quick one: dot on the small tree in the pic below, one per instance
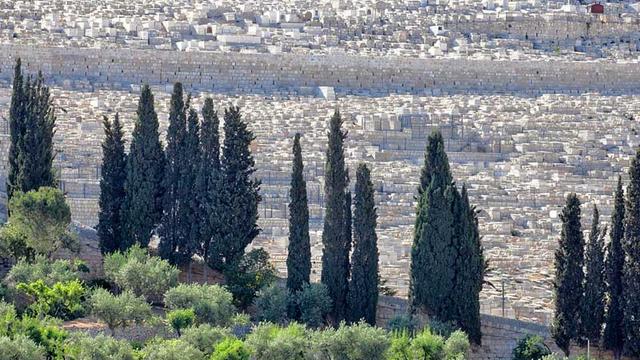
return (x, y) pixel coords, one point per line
(272, 342)
(20, 347)
(211, 304)
(271, 304)
(314, 303)
(205, 337)
(172, 349)
(231, 349)
(119, 310)
(250, 274)
(530, 347)
(180, 319)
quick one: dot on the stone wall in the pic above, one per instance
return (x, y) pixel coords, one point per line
(89, 69)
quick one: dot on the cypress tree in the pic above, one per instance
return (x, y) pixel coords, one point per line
(568, 284)
(192, 163)
(174, 230)
(112, 194)
(239, 194)
(334, 275)
(594, 284)
(363, 286)
(142, 207)
(207, 181)
(299, 249)
(631, 270)
(16, 128)
(613, 336)
(433, 252)
(470, 268)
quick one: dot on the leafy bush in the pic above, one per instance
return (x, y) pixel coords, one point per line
(100, 347)
(271, 304)
(45, 333)
(205, 337)
(252, 272)
(175, 349)
(314, 303)
(49, 271)
(140, 273)
(272, 342)
(427, 345)
(356, 342)
(181, 319)
(442, 328)
(457, 346)
(120, 310)
(402, 323)
(64, 300)
(530, 347)
(400, 347)
(8, 318)
(231, 349)
(21, 347)
(211, 303)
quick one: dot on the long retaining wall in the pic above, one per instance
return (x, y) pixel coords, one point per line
(88, 69)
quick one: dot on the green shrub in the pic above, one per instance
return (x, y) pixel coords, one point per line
(101, 347)
(355, 342)
(8, 318)
(271, 304)
(252, 273)
(400, 347)
(42, 268)
(212, 304)
(140, 273)
(175, 349)
(205, 337)
(62, 300)
(457, 346)
(20, 348)
(231, 349)
(181, 319)
(314, 303)
(427, 345)
(530, 347)
(45, 333)
(402, 323)
(272, 342)
(120, 310)
(442, 328)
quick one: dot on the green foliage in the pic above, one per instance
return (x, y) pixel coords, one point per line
(144, 275)
(442, 328)
(250, 274)
(13, 243)
(119, 310)
(402, 323)
(271, 304)
(42, 219)
(8, 318)
(20, 348)
(100, 347)
(363, 286)
(142, 206)
(212, 304)
(355, 342)
(427, 345)
(45, 333)
(272, 342)
(299, 248)
(63, 300)
(231, 349)
(631, 270)
(205, 337)
(530, 347)
(181, 319)
(42, 268)
(237, 210)
(112, 192)
(335, 256)
(175, 349)
(568, 285)
(314, 303)
(593, 302)
(457, 346)
(400, 347)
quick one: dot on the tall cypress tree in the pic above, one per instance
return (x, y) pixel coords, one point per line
(239, 193)
(613, 336)
(433, 252)
(112, 193)
(363, 286)
(208, 179)
(299, 249)
(631, 271)
(470, 268)
(334, 275)
(173, 230)
(568, 284)
(192, 166)
(16, 128)
(594, 284)
(142, 207)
